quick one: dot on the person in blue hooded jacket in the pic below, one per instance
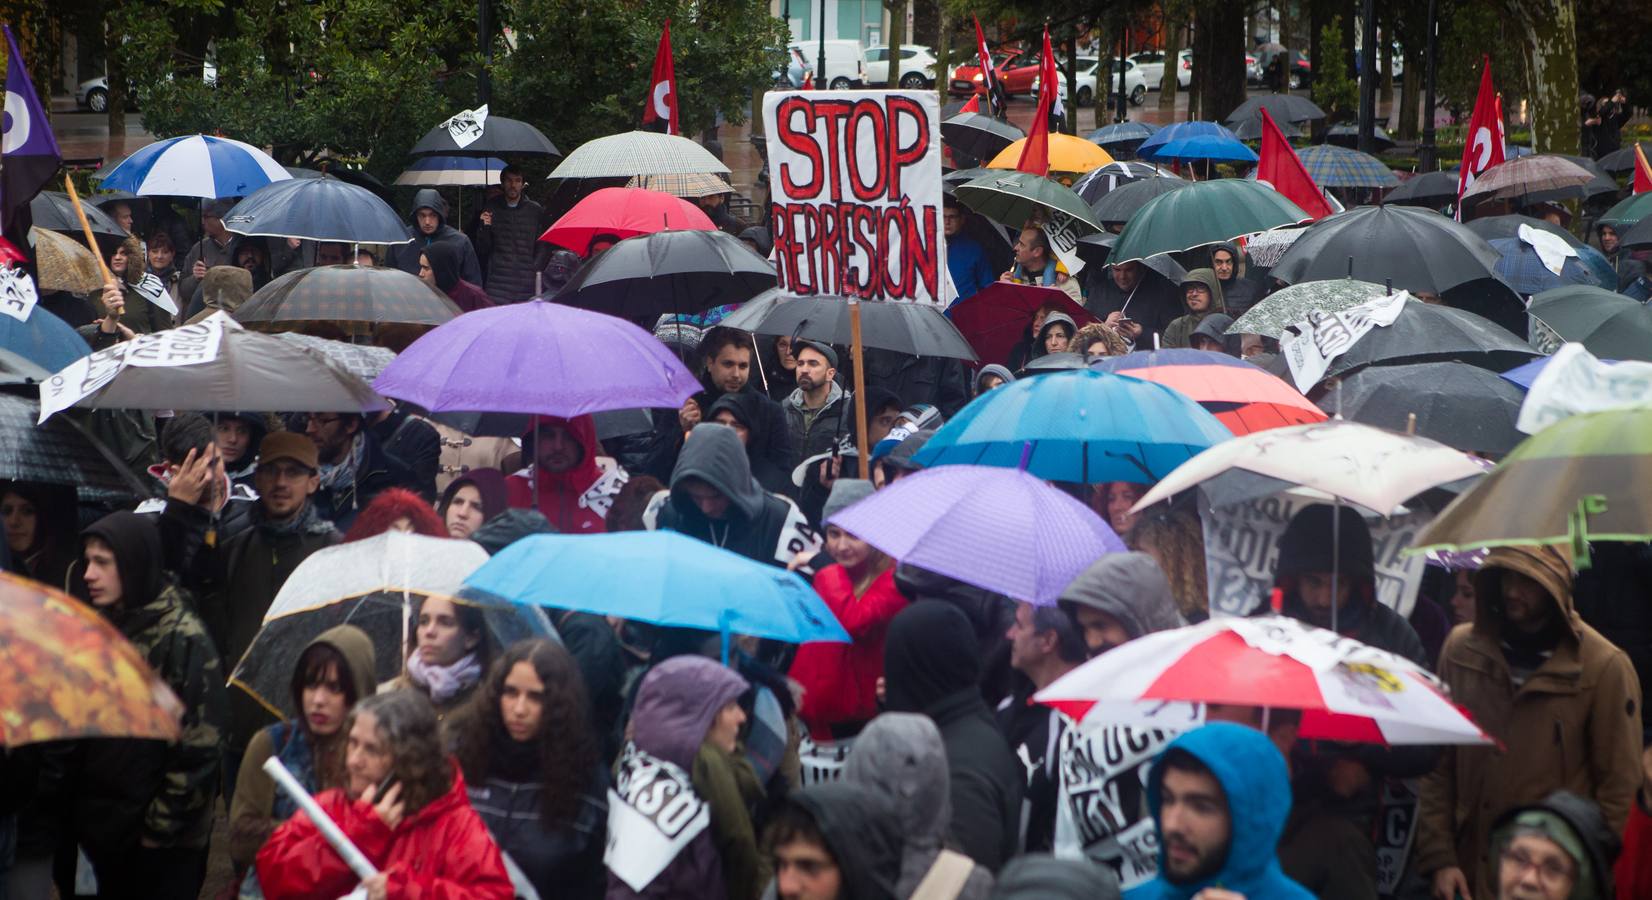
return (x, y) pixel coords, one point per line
(1220, 795)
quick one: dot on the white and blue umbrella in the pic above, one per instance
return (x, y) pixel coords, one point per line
(441, 171)
(197, 165)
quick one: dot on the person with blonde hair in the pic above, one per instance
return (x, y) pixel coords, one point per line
(1177, 542)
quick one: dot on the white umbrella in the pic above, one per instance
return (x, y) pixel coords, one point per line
(634, 153)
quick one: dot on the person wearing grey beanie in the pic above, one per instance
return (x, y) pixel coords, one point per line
(994, 371)
(846, 492)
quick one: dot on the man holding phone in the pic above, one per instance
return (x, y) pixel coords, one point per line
(1135, 302)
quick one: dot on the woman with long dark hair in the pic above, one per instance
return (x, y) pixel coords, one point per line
(450, 653)
(530, 760)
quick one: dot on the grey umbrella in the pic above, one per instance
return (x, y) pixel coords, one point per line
(680, 272)
(364, 361)
(1432, 189)
(1459, 405)
(1283, 108)
(1428, 333)
(1117, 206)
(915, 329)
(979, 135)
(1410, 248)
(317, 209)
(53, 211)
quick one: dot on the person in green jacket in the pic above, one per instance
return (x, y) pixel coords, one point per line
(1201, 297)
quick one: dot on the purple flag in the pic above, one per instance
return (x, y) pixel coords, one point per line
(29, 148)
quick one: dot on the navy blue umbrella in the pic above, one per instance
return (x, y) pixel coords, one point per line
(317, 209)
(44, 340)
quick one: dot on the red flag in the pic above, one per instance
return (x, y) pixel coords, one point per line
(1035, 154)
(1282, 168)
(1484, 147)
(660, 110)
(973, 106)
(989, 75)
(1643, 172)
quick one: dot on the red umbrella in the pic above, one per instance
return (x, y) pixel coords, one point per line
(10, 255)
(1243, 397)
(997, 316)
(623, 213)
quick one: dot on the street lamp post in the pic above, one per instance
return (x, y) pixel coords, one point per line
(1368, 78)
(1428, 154)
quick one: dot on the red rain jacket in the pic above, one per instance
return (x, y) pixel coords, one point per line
(840, 681)
(560, 493)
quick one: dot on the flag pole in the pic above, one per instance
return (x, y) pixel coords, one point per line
(85, 226)
(856, 353)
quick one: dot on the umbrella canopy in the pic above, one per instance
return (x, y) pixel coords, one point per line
(1370, 467)
(995, 318)
(1623, 159)
(979, 135)
(1194, 142)
(610, 424)
(1346, 690)
(1627, 213)
(1514, 179)
(1205, 212)
(69, 674)
(1415, 249)
(669, 272)
(211, 366)
(364, 361)
(1459, 405)
(42, 339)
(355, 298)
(1282, 107)
(500, 137)
(1426, 332)
(1610, 326)
(1580, 479)
(688, 186)
(1243, 397)
(54, 211)
(1251, 129)
(964, 176)
(371, 584)
(317, 209)
(1098, 182)
(1431, 189)
(1292, 304)
(1348, 136)
(1639, 236)
(1123, 137)
(660, 577)
(1068, 153)
(63, 263)
(915, 329)
(623, 213)
(460, 171)
(1117, 206)
(195, 165)
(1083, 426)
(59, 452)
(1600, 184)
(1508, 226)
(638, 153)
(1524, 270)
(1002, 530)
(537, 358)
(1055, 362)
(1339, 167)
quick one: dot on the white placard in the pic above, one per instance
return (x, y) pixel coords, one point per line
(1575, 382)
(1310, 346)
(599, 497)
(1061, 231)
(466, 127)
(653, 813)
(1101, 804)
(153, 289)
(186, 346)
(855, 181)
(17, 293)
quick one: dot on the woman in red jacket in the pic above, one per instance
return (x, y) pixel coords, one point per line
(404, 807)
(840, 680)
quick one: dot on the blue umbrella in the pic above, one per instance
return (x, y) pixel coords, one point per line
(659, 577)
(1082, 426)
(196, 165)
(1188, 141)
(45, 340)
(1524, 271)
(1522, 376)
(317, 209)
(1339, 167)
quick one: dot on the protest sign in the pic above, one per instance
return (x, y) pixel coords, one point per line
(17, 293)
(1241, 553)
(1309, 347)
(1101, 808)
(153, 289)
(653, 813)
(1061, 230)
(1574, 381)
(466, 126)
(189, 345)
(855, 178)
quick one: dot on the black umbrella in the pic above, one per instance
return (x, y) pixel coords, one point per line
(1403, 246)
(676, 272)
(1283, 107)
(1428, 333)
(1096, 183)
(1610, 325)
(957, 177)
(1640, 235)
(58, 451)
(500, 137)
(1459, 405)
(1431, 189)
(979, 135)
(317, 209)
(916, 329)
(1094, 249)
(1117, 206)
(1493, 227)
(1348, 136)
(54, 211)
(1121, 138)
(1623, 160)
(1251, 129)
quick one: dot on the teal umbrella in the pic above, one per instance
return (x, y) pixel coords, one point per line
(1206, 212)
(1627, 213)
(1610, 325)
(1015, 197)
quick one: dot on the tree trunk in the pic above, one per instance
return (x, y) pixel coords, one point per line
(1551, 59)
(1287, 31)
(1221, 35)
(1385, 87)
(943, 49)
(1168, 85)
(1411, 94)
(897, 37)
(115, 69)
(1069, 121)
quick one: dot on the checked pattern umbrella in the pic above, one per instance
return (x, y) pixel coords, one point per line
(688, 185)
(364, 361)
(635, 153)
(1339, 167)
(354, 298)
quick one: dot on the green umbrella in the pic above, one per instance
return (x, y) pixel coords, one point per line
(1627, 213)
(1207, 212)
(1610, 325)
(1581, 479)
(1013, 198)
(1292, 304)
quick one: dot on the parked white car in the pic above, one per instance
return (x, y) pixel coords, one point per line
(845, 62)
(917, 67)
(1134, 86)
(1151, 65)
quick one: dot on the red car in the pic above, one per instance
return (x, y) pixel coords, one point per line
(967, 79)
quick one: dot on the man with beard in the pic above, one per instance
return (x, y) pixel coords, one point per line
(814, 411)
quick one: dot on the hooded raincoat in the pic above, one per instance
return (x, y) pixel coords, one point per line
(861, 832)
(1040, 877)
(1179, 333)
(768, 457)
(1258, 792)
(406, 256)
(576, 501)
(1573, 723)
(446, 263)
(755, 521)
(1239, 293)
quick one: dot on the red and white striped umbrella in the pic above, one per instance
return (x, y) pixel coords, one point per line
(1347, 691)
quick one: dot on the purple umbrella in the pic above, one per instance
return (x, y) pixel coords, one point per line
(537, 358)
(996, 528)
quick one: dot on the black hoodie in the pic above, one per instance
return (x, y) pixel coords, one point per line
(755, 519)
(767, 465)
(406, 256)
(863, 833)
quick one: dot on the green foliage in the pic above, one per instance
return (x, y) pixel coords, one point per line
(581, 69)
(1335, 89)
(1474, 27)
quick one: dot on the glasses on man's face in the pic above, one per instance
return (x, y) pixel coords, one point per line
(1551, 872)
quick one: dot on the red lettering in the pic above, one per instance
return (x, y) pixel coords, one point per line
(833, 112)
(867, 113)
(905, 108)
(802, 143)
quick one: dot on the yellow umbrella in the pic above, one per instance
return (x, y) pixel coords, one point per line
(1067, 154)
(63, 263)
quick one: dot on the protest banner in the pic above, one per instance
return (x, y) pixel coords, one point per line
(1101, 807)
(1310, 347)
(185, 346)
(17, 293)
(1241, 553)
(653, 813)
(855, 180)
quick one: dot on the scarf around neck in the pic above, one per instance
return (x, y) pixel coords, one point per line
(444, 682)
(343, 473)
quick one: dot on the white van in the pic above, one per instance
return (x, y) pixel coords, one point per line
(845, 63)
